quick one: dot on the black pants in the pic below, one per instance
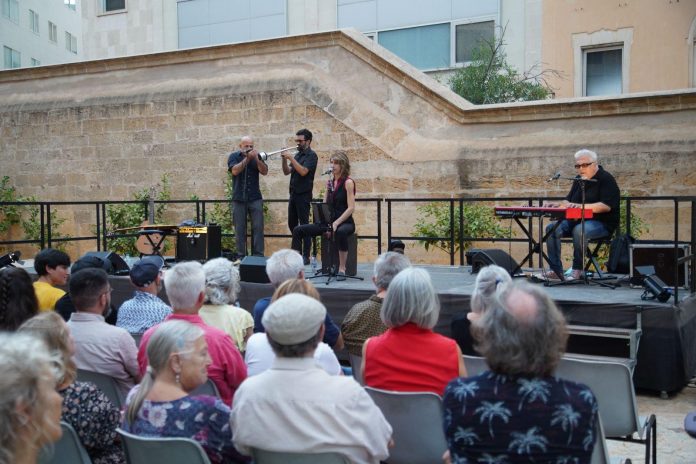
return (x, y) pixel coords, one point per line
(308, 231)
(298, 213)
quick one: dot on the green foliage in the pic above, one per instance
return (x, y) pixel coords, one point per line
(222, 215)
(28, 217)
(434, 222)
(133, 214)
(489, 78)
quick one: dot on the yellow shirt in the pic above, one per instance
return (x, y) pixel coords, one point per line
(47, 295)
(230, 319)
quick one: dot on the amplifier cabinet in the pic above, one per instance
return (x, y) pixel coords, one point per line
(661, 256)
(198, 243)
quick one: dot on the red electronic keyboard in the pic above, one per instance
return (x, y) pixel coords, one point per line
(512, 212)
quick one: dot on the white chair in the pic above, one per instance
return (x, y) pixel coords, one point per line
(417, 421)
(105, 383)
(146, 450)
(356, 366)
(475, 365)
(612, 384)
(207, 388)
(67, 449)
(279, 457)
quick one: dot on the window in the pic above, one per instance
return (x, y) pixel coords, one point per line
(13, 58)
(34, 21)
(603, 74)
(35, 62)
(426, 47)
(70, 4)
(113, 5)
(468, 36)
(10, 10)
(52, 32)
(70, 42)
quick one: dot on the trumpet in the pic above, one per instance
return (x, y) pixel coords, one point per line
(263, 156)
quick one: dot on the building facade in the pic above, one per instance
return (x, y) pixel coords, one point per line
(40, 32)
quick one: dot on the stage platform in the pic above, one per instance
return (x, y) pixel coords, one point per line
(667, 352)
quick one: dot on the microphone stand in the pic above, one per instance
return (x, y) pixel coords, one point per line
(585, 280)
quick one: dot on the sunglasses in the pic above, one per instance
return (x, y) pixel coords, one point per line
(584, 165)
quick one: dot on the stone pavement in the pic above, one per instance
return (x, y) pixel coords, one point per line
(674, 445)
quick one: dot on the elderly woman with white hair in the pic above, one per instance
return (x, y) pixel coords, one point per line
(489, 281)
(410, 356)
(162, 405)
(219, 310)
(29, 404)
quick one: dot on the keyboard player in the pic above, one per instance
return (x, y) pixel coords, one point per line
(601, 196)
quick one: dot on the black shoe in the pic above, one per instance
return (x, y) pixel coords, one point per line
(305, 259)
(341, 276)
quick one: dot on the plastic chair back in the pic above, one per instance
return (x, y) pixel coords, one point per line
(67, 449)
(147, 450)
(208, 388)
(475, 365)
(279, 457)
(105, 383)
(416, 419)
(356, 365)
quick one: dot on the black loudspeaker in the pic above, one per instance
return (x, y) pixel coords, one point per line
(198, 243)
(253, 269)
(118, 265)
(478, 258)
(661, 256)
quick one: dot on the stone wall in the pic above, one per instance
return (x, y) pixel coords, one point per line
(106, 129)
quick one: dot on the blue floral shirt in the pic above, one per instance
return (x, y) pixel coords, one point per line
(495, 418)
(141, 312)
(203, 418)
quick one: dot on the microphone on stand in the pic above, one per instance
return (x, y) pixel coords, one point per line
(328, 171)
(554, 177)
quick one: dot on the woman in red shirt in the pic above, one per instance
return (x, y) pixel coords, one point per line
(409, 356)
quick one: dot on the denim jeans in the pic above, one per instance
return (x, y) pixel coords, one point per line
(593, 229)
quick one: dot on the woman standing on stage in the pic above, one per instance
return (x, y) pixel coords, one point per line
(340, 195)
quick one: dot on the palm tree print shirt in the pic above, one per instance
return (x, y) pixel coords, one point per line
(495, 418)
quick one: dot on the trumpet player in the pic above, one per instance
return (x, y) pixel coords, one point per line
(301, 167)
(245, 166)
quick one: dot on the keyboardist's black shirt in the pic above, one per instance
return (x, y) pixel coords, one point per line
(605, 190)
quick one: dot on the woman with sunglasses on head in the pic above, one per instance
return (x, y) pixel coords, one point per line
(162, 405)
(340, 195)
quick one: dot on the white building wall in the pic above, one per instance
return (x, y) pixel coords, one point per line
(20, 37)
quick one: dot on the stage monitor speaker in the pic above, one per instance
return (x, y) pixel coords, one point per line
(198, 243)
(253, 269)
(117, 265)
(479, 258)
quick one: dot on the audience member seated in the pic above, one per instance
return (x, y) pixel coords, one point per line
(221, 290)
(489, 280)
(259, 355)
(85, 407)
(100, 347)
(185, 286)
(145, 309)
(283, 265)
(296, 406)
(409, 356)
(29, 403)
(65, 307)
(52, 267)
(17, 298)
(162, 405)
(518, 412)
(363, 320)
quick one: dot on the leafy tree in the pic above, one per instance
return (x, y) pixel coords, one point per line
(489, 78)
(434, 222)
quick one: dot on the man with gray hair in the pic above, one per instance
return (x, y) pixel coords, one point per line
(602, 197)
(363, 320)
(518, 411)
(295, 406)
(286, 264)
(185, 286)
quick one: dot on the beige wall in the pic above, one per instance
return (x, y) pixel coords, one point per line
(660, 52)
(102, 130)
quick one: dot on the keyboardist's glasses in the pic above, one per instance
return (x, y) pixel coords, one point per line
(584, 165)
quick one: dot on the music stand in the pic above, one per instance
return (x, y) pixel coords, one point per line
(585, 280)
(321, 212)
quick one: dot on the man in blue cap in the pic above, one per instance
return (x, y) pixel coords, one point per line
(145, 309)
